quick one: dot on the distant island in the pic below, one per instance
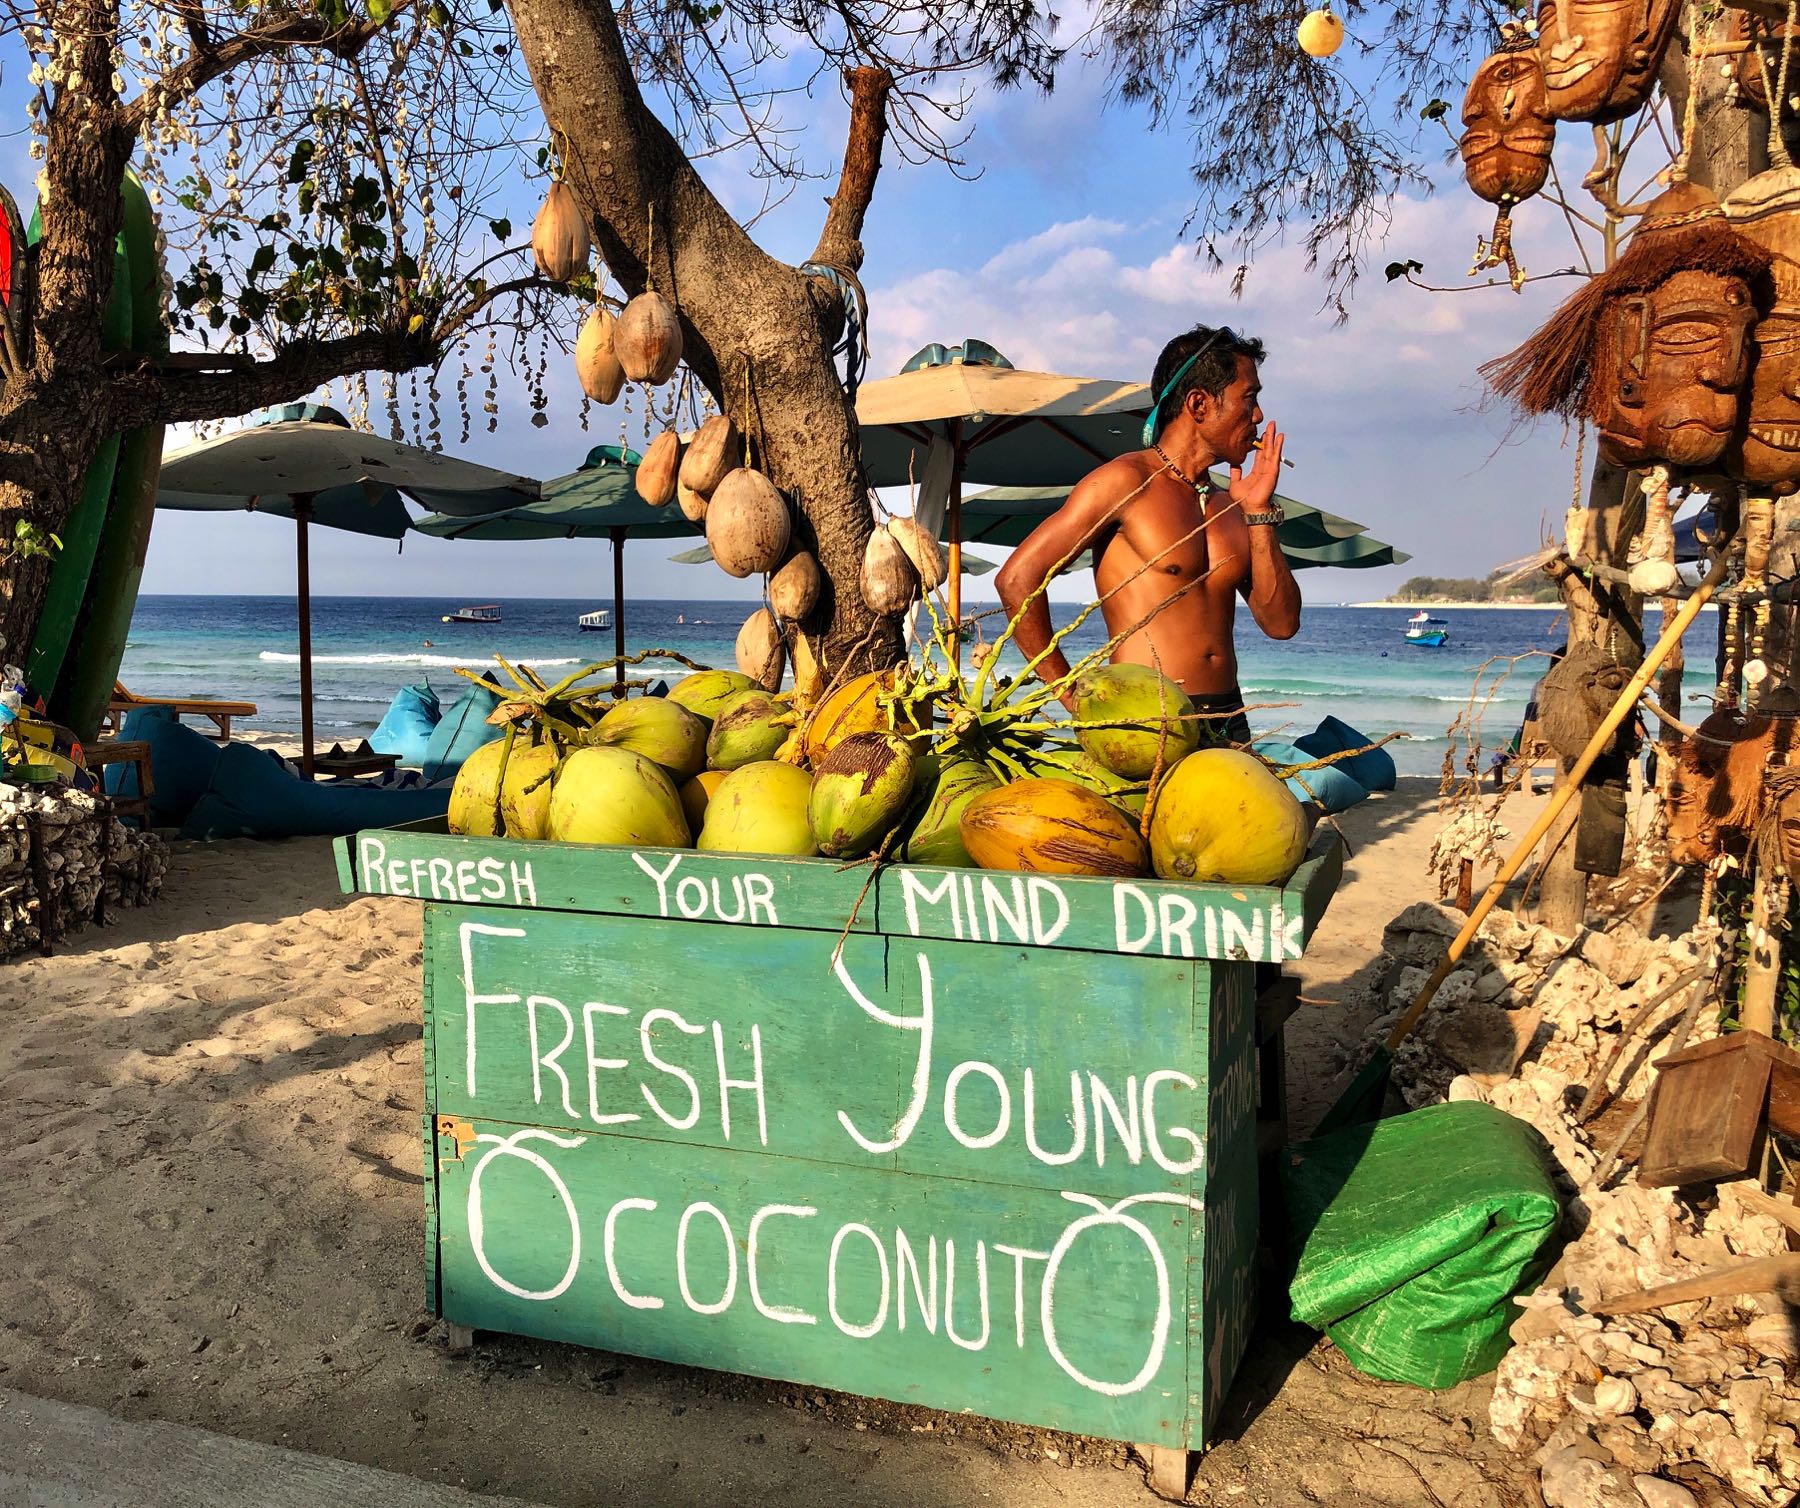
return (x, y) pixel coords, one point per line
(1469, 591)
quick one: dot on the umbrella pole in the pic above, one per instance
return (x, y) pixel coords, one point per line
(954, 599)
(618, 544)
(302, 517)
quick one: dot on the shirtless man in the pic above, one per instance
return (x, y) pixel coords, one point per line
(1205, 390)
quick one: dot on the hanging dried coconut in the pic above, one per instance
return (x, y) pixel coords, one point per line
(714, 452)
(659, 468)
(1508, 136)
(760, 653)
(648, 339)
(597, 365)
(888, 582)
(921, 549)
(560, 243)
(747, 523)
(794, 589)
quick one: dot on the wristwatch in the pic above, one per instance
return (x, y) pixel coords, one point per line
(1273, 516)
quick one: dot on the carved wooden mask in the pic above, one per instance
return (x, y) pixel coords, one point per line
(1508, 131)
(1766, 209)
(1600, 56)
(1668, 370)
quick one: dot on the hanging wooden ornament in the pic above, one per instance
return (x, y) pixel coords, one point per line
(1508, 136)
(1601, 56)
(1766, 451)
(1654, 350)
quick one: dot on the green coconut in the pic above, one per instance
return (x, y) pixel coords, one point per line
(1081, 767)
(760, 808)
(702, 692)
(660, 730)
(1144, 698)
(525, 794)
(475, 791)
(860, 791)
(606, 794)
(941, 789)
(745, 731)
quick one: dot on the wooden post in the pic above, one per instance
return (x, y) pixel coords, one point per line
(618, 544)
(1762, 971)
(953, 595)
(1169, 1470)
(302, 518)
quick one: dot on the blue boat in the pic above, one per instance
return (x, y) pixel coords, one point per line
(1427, 632)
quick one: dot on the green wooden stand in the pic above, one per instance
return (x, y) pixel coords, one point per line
(989, 1147)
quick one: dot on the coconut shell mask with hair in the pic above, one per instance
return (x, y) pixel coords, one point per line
(1766, 210)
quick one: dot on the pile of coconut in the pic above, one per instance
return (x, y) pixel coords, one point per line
(60, 852)
(1675, 1407)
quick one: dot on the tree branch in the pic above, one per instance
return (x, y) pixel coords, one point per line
(207, 63)
(840, 241)
(149, 396)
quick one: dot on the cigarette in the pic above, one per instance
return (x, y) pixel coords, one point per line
(1284, 460)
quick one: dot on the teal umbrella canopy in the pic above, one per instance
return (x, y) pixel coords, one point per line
(369, 508)
(587, 504)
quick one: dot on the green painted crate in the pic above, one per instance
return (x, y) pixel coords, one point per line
(989, 1147)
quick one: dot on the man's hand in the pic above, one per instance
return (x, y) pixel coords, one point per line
(1252, 493)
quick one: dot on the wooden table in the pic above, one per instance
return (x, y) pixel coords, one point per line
(972, 1140)
(342, 765)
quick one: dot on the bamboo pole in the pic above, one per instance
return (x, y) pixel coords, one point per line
(1609, 725)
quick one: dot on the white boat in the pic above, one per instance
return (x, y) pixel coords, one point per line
(600, 618)
(1426, 632)
(486, 613)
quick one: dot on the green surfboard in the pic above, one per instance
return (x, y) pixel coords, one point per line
(87, 682)
(81, 534)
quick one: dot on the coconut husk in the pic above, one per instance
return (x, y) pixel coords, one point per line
(559, 236)
(596, 365)
(889, 583)
(657, 471)
(747, 523)
(1684, 230)
(794, 589)
(921, 549)
(714, 451)
(761, 655)
(648, 339)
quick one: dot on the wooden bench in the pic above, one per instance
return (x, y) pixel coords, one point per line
(221, 713)
(127, 751)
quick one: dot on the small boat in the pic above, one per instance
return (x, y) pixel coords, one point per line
(487, 613)
(593, 622)
(1427, 632)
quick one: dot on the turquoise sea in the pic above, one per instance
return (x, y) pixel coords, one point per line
(1351, 662)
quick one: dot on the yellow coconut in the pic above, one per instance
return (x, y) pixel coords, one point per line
(794, 589)
(704, 691)
(921, 549)
(475, 792)
(1320, 33)
(853, 707)
(559, 236)
(596, 363)
(760, 652)
(660, 730)
(529, 785)
(648, 339)
(610, 795)
(747, 523)
(889, 582)
(697, 795)
(711, 455)
(1221, 815)
(759, 808)
(656, 473)
(1051, 827)
(1158, 714)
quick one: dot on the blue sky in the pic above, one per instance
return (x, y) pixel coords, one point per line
(1065, 253)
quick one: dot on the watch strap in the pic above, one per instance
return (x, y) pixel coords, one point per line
(1274, 516)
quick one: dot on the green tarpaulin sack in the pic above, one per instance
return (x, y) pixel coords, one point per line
(1412, 1235)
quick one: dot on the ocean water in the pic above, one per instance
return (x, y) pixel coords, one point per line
(1350, 662)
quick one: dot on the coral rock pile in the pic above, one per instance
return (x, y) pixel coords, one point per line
(60, 851)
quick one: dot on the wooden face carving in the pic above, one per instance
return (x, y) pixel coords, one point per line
(1669, 367)
(1600, 56)
(1508, 132)
(1766, 209)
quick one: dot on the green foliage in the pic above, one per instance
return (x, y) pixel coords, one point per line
(33, 540)
(1470, 589)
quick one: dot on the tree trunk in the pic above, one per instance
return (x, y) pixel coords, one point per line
(757, 332)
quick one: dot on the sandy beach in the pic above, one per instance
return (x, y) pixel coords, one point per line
(214, 1217)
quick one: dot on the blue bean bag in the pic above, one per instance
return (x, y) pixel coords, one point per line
(461, 731)
(1373, 770)
(182, 760)
(253, 795)
(1329, 789)
(406, 730)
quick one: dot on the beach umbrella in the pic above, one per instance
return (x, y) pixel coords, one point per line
(599, 501)
(965, 414)
(304, 462)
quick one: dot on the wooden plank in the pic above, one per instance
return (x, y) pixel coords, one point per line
(1706, 1114)
(343, 853)
(677, 884)
(1232, 1197)
(1038, 1307)
(1169, 1470)
(1310, 888)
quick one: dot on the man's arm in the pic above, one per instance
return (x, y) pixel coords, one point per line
(1271, 591)
(1073, 528)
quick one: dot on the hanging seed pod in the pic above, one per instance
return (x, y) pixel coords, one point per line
(747, 523)
(693, 504)
(921, 549)
(559, 236)
(809, 674)
(648, 339)
(714, 451)
(889, 582)
(760, 653)
(656, 473)
(596, 363)
(794, 589)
